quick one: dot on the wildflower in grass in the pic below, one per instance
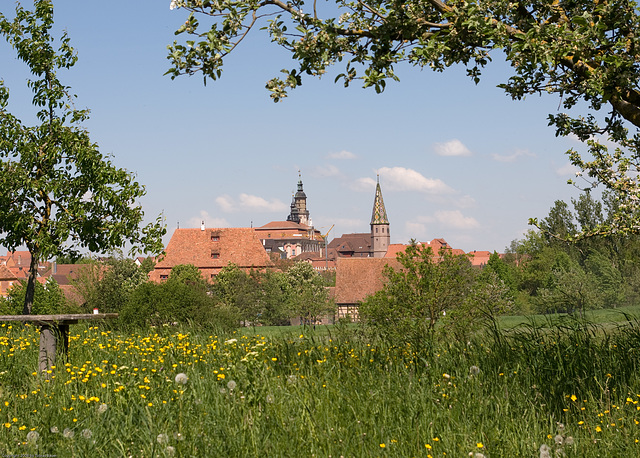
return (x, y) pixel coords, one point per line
(178, 436)
(446, 376)
(182, 378)
(87, 434)
(382, 445)
(559, 440)
(170, 451)
(269, 399)
(231, 385)
(33, 436)
(101, 408)
(162, 438)
(568, 440)
(54, 429)
(474, 370)
(68, 433)
(545, 451)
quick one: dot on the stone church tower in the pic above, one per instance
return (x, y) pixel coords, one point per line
(299, 212)
(380, 237)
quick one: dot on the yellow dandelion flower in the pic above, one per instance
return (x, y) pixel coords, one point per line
(480, 445)
(382, 445)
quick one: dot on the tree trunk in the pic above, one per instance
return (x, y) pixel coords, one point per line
(31, 285)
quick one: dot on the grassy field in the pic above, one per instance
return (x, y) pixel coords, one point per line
(297, 392)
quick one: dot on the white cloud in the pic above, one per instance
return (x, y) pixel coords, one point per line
(327, 171)
(342, 155)
(363, 184)
(451, 148)
(415, 230)
(225, 202)
(512, 157)
(249, 202)
(455, 219)
(402, 179)
(567, 169)
(209, 221)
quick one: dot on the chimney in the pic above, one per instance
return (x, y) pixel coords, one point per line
(202, 226)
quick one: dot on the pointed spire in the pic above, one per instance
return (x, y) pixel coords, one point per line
(379, 215)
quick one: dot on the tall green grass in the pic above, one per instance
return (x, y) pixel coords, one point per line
(297, 392)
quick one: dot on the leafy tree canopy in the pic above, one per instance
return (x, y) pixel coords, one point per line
(584, 51)
(58, 193)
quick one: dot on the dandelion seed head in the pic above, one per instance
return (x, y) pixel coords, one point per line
(33, 436)
(54, 429)
(68, 433)
(568, 440)
(182, 378)
(101, 408)
(558, 439)
(231, 384)
(269, 399)
(162, 438)
(170, 451)
(545, 451)
(474, 370)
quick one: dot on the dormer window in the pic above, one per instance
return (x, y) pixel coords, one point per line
(215, 236)
(215, 254)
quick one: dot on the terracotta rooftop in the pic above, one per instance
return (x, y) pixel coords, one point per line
(213, 249)
(357, 278)
(7, 274)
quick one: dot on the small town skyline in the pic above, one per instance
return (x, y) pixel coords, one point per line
(456, 160)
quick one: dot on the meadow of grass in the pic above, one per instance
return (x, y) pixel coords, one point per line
(570, 386)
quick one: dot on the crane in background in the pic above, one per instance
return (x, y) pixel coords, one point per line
(326, 248)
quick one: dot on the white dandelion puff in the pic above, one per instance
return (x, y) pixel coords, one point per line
(33, 436)
(162, 438)
(182, 378)
(231, 385)
(54, 429)
(102, 408)
(87, 434)
(68, 433)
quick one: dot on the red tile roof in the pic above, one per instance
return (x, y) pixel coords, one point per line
(212, 249)
(357, 278)
(7, 274)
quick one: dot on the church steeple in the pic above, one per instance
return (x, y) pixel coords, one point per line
(299, 212)
(380, 236)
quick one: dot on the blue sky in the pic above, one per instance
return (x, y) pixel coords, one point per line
(456, 161)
